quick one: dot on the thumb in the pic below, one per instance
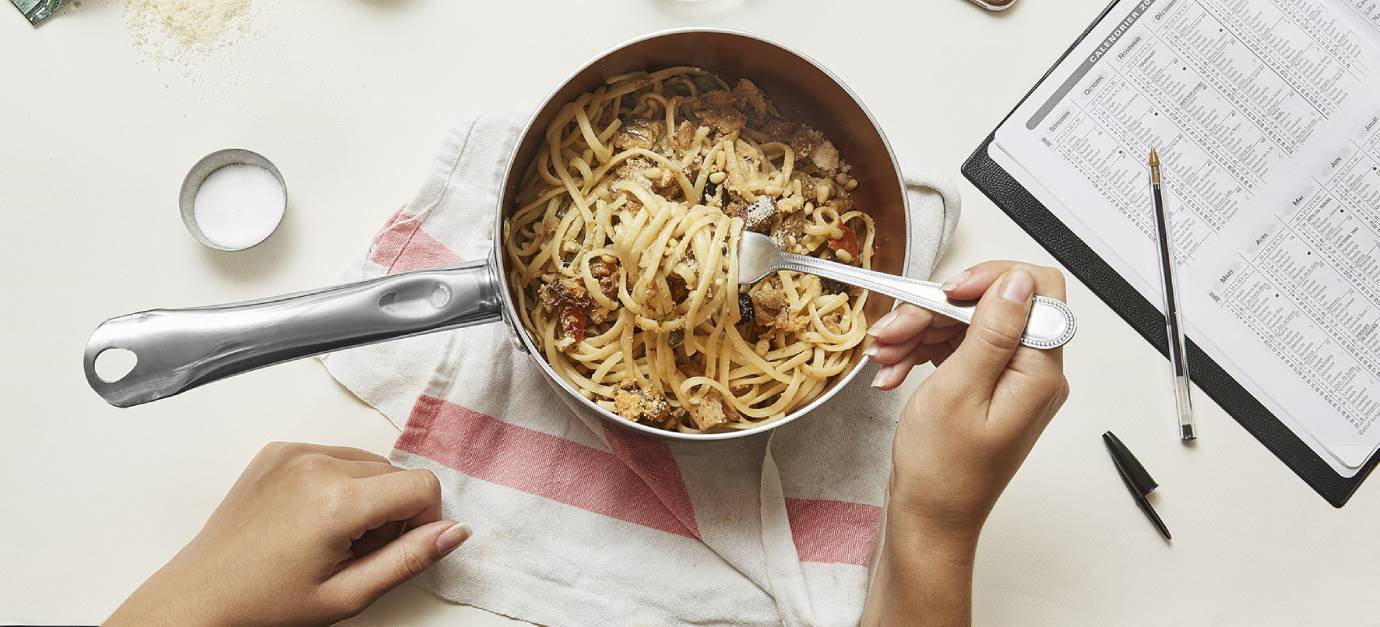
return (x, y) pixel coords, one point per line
(368, 577)
(995, 333)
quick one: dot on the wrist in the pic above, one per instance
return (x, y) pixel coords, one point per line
(177, 594)
(935, 541)
(155, 606)
(924, 574)
(935, 518)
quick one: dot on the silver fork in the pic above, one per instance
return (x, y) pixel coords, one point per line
(1051, 323)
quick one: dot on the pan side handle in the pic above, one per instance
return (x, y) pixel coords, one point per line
(178, 349)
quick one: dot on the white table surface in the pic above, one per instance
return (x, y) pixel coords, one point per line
(350, 98)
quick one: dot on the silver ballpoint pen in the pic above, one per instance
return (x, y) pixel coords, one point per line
(1178, 354)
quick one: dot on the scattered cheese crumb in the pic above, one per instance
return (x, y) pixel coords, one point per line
(176, 30)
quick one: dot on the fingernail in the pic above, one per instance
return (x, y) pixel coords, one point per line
(882, 324)
(952, 284)
(872, 351)
(883, 374)
(452, 538)
(1019, 286)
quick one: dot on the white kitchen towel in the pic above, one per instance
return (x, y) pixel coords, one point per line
(581, 523)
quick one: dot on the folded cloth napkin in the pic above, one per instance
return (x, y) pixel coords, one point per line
(578, 522)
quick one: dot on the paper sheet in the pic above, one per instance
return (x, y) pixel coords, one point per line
(1266, 114)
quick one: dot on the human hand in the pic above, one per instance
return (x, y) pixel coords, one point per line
(307, 535)
(966, 431)
(961, 436)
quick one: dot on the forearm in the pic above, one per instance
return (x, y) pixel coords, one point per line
(924, 577)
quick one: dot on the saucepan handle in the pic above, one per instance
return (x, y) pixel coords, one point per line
(179, 349)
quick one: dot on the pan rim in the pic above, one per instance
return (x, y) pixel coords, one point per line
(523, 338)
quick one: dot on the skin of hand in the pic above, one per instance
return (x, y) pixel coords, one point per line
(961, 436)
(307, 535)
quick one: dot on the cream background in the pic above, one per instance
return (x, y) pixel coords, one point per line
(350, 98)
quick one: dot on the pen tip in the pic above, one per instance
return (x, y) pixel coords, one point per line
(1154, 157)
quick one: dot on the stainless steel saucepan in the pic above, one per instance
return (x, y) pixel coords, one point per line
(179, 349)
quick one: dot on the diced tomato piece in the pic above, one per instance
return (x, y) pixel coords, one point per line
(573, 322)
(848, 242)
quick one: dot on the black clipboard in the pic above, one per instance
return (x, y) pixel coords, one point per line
(1145, 318)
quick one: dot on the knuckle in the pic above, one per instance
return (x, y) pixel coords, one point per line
(288, 450)
(429, 484)
(998, 333)
(313, 464)
(372, 456)
(277, 454)
(916, 314)
(408, 565)
(337, 498)
(275, 449)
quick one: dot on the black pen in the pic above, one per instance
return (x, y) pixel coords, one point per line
(1136, 478)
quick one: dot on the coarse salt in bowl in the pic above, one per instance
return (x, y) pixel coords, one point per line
(233, 199)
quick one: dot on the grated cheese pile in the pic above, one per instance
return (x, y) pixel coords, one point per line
(173, 29)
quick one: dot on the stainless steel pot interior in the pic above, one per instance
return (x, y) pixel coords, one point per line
(803, 91)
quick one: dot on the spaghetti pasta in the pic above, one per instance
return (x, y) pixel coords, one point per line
(624, 247)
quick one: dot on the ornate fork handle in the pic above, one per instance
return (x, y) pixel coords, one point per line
(1051, 323)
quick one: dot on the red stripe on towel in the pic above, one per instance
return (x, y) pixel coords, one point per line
(392, 219)
(403, 246)
(487, 448)
(838, 532)
(651, 460)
